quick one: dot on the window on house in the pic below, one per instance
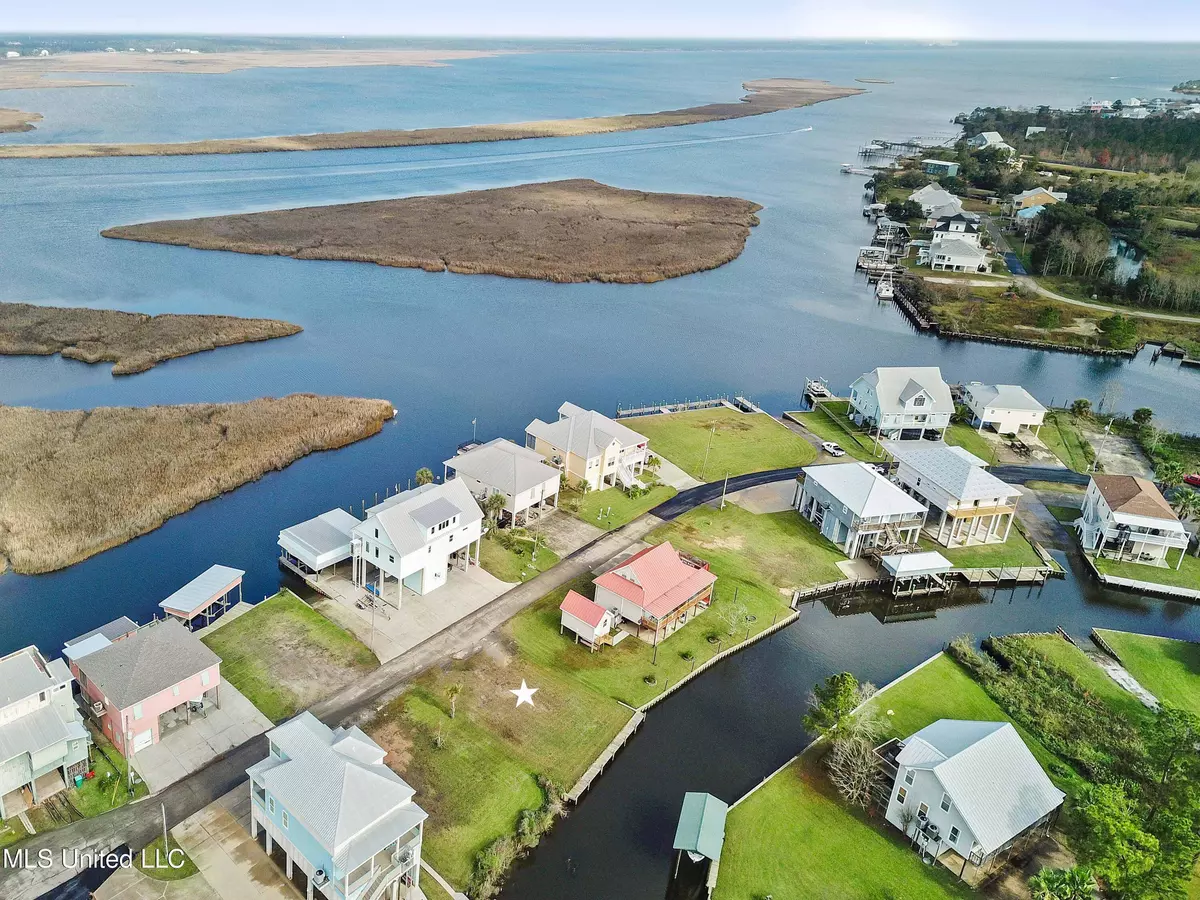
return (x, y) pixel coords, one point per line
(377, 553)
(376, 534)
(285, 819)
(923, 809)
(945, 804)
(271, 805)
(42, 696)
(391, 558)
(954, 834)
(175, 690)
(909, 777)
(919, 400)
(205, 678)
(901, 795)
(137, 710)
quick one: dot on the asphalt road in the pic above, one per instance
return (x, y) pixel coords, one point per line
(706, 493)
(1025, 474)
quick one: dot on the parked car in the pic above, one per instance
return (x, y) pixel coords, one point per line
(833, 449)
(1193, 479)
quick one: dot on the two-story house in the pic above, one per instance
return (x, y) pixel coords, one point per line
(413, 538)
(1127, 517)
(967, 504)
(1006, 408)
(902, 402)
(590, 447)
(965, 792)
(341, 816)
(858, 509)
(130, 683)
(522, 475)
(43, 742)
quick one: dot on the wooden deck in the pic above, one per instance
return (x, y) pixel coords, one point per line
(605, 758)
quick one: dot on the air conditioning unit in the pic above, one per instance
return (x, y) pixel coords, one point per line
(320, 878)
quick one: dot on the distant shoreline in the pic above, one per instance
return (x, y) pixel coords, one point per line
(12, 120)
(764, 96)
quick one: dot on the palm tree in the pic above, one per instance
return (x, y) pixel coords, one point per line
(452, 692)
(1063, 884)
(424, 476)
(1187, 504)
(492, 506)
(1169, 474)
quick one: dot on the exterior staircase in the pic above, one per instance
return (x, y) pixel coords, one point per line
(626, 477)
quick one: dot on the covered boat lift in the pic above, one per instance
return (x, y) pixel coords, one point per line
(700, 835)
(917, 573)
(205, 597)
(311, 547)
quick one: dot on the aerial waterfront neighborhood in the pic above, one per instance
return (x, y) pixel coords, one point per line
(493, 466)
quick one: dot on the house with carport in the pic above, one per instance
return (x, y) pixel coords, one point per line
(902, 402)
(858, 509)
(1126, 517)
(967, 504)
(527, 482)
(414, 538)
(132, 684)
(43, 741)
(1005, 408)
(346, 823)
(589, 447)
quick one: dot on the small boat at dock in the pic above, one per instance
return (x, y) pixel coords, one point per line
(851, 169)
(885, 289)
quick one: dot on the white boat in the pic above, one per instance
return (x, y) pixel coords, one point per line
(885, 290)
(816, 389)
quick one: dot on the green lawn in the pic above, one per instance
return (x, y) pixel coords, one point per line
(431, 889)
(612, 507)
(515, 562)
(1186, 576)
(1166, 668)
(1087, 673)
(163, 862)
(972, 441)
(1016, 551)
(284, 656)
(108, 790)
(1066, 514)
(1060, 432)
(830, 424)
(740, 442)
(11, 831)
(795, 838)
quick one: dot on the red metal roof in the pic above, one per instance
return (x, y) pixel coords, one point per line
(582, 608)
(657, 580)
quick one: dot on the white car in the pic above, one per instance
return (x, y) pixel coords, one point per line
(833, 449)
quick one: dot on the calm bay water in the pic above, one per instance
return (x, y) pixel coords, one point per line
(446, 348)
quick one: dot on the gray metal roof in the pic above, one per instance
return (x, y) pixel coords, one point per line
(955, 470)
(1003, 396)
(111, 630)
(583, 432)
(42, 728)
(155, 657)
(328, 533)
(336, 784)
(213, 582)
(23, 674)
(890, 381)
(397, 517)
(504, 466)
(988, 773)
(435, 512)
(862, 490)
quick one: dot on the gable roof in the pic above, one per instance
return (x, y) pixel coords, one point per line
(1003, 396)
(1135, 496)
(958, 248)
(1033, 192)
(701, 827)
(322, 536)
(944, 223)
(117, 628)
(657, 580)
(22, 674)
(155, 657)
(583, 432)
(504, 466)
(933, 197)
(405, 519)
(579, 606)
(889, 381)
(37, 730)
(862, 490)
(335, 783)
(958, 472)
(988, 773)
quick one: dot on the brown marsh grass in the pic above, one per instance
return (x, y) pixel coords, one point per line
(76, 482)
(134, 342)
(574, 230)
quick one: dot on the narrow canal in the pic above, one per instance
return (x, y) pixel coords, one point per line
(739, 722)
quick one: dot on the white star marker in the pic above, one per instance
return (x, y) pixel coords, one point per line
(524, 693)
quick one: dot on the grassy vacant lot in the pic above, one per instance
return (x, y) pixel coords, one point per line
(741, 442)
(1186, 576)
(1016, 551)
(1061, 433)
(284, 656)
(133, 341)
(1093, 679)
(1168, 669)
(514, 562)
(76, 482)
(829, 422)
(612, 507)
(795, 838)
(971, 440)
(158, 861)
(1064, 514)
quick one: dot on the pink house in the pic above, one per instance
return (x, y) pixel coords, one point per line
(135, 682)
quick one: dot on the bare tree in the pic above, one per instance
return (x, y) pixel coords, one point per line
(854, 770)
(733, 614)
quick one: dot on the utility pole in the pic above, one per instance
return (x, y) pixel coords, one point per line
(704, 464)
(724, 489)
(1103, 443)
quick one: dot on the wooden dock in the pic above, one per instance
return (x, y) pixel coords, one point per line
(651, 409)
(605, 758)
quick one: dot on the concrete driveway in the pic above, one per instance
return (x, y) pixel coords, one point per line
(231, 862)
(183, 749)
(766, 498)
(130, 884)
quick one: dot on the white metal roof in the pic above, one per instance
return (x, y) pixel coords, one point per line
(864, 491)
(988, 773)
(334, 781)
(957, 248)
(405, 519)
(958, 472)
(906, 565)
(21, 675)
(1002, 396)
(79, 649)
(583, 432)
(889, 382)
(213, 582)
(42, 728)
(504, 466)
(320, 541)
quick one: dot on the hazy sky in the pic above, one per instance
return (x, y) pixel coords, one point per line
(1162, 20)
